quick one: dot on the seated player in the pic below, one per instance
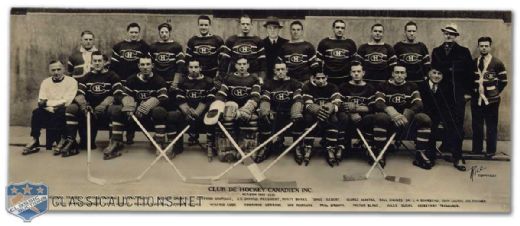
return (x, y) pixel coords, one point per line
(194, 92)
(238, 96)
(281, 103)
(145, 96)
(403, 106)
(321, 100)
(357, 110)
(96, 91)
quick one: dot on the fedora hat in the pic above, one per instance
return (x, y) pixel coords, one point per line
(451, 28)
(272, 21)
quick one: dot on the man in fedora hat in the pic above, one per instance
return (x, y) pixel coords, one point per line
(272, 43)
(455, 63)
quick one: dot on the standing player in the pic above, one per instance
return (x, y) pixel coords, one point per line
(321, 101)
(357, 110)
(145, 96)
(205, 48)
(272, 43)
(245, 46)
(281, 102)
(413, 55)
(167, 55)
(490, 81)
(377, 57)
(240, 93)
(337, 53)
(96, 91)
(402, 105)
(299, 55)
(79, 59)
(56, 93)
(194, 93)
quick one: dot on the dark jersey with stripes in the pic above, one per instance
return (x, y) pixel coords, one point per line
(336, 55)
(402, 96)
(168, 59)
(249, 47)
(377, 60)
(300, 58)
(205, 49)
(125, 57)
(362, 95)
(281, 93)
(96, 86)
(195, 90)
(239, 89)
(143, 90)
(415, 57)
(312, 93)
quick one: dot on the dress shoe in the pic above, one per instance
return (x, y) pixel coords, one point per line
(459, 164)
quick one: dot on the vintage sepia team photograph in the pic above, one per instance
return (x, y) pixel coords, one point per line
(259, 110)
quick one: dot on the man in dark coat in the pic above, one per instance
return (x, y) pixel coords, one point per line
(455, 63)
(272, 44)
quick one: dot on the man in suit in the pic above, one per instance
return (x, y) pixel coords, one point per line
(455, 63)
(272, 44)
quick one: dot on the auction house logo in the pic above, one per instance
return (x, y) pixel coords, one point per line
(27, 200)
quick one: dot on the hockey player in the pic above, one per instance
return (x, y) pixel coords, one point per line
(413, 54)
(321, 100)
(96, 91)
(56, 93)
(244, 46)
(240, 93)
(281, 103)
(357, 110)
(79, 60)
(167, 55)
(205, 48)
(194, 93)
(145, 96)
(402, 105)
(377, 57)
(336, 54)
(299, 55)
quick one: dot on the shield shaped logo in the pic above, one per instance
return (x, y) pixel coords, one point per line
(27, 200)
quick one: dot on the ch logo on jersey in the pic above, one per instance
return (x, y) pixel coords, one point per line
(97, 88)
(239, 91)
(489, 75)
(143, 95)
(338, 53)
(162, 57)
(194, 93)
(205, 50)
(357, 100)
(411, 58)
(296, 58)
(375, 58)
(281, 96)
(244, 49)
(130, 54)
(398, 99)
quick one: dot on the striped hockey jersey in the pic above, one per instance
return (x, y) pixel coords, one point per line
(301, 60)
(378, 60)
(205, 49)
(311, 93)
(195, 90)
(168, 59)
(96, 86)
(281, 93)
(142, 90)
(400, 96)
(336, 55)
(239, 89)
(362, 95)
(125, 57)
(415, 57)
(249, 47)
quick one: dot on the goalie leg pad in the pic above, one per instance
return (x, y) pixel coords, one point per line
(230, 111)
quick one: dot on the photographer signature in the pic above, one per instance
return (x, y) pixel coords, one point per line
(475, 170)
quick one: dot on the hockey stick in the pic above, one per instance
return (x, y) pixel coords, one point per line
(403, 180)
(92, 179)
(251, 165)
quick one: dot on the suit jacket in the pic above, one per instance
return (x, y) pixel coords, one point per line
(271, 53)
(434, 104)
(457, 68)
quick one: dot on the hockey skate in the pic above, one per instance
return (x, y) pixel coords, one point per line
(422, 161)
(57, 149)
(130, 137)
(112, 151)
(70, 148)
(331, 156)
(211, 151)
(32, 147)
(298, 154)
(307, 152)
(339, 153)
(193, 139)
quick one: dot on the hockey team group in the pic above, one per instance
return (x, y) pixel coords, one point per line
(244, 91)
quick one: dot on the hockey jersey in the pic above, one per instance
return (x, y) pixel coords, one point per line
(125, 57)
(142, 90)
(401, 96)
(300, 58)
(281, 93)
(415, 57)
(195, 90)
(205, 49)
(168, 59)
(79, 61)
(239, 89)
(377, 60)
(336, 55)
(362, 95)
(249, 47)
(311, 93)
(96, 86)
(494, 78)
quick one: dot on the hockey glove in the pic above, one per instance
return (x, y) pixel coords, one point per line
(244, 113)
(314, 109)
(397, 118)
(296, 111)
(128, 104)
(264, 109)
(348, 107)
(325, 111)
(146, 106)
(356, 118)
(102, 107)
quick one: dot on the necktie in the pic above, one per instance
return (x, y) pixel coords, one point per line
(434, 88)
(447, 48)
(481, 64)
(274, 42)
